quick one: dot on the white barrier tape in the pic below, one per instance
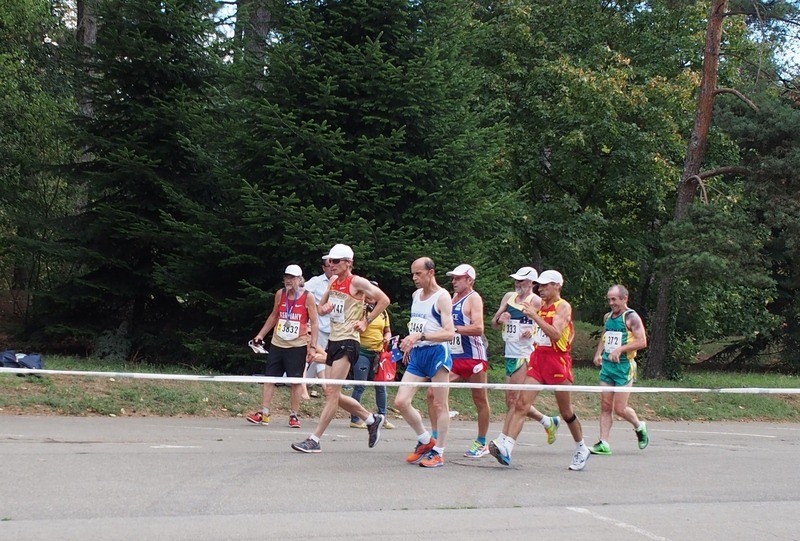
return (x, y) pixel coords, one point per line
(457, 385)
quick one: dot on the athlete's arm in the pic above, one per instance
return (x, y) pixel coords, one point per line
(473, 308)
(272, 319)
(445, 306)
(362, 285)
(313, 320)
(560, 321)
(324, 308)
(498, 319)
(387, 329)
(598, 353)
(636, 327)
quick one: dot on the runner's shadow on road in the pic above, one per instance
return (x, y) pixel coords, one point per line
(482, 463)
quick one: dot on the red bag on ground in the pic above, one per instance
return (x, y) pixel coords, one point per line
(387, 369)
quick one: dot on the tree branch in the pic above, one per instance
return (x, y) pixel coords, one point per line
(762, 16)
(726, 170)
(748, 101)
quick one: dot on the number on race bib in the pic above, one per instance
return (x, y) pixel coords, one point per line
(288, 330)
(337, 314)
(416, 325)
(613, 340)
(456, 347)
(541, 339)
(512, 331)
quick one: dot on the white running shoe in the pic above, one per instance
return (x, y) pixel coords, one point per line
(580, 457)
(257, 347)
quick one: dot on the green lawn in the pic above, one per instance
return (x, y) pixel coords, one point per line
(75, 395)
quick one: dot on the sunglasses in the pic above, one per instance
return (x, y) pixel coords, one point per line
(336, 261)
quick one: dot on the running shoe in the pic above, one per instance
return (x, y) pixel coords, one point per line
(257, 347)
(420, 451)
(307, 446)
(258, 418)
(580, 458)
(477, 450)
(600, 448)
(294, 422)
(641, 435)
(375, 429)
(358, 424)
(432, 460)
(552, 429)
(499, 453)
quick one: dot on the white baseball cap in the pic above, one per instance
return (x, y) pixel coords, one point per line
(525, 273)
(549, 277)
(463, 270)
(293, 270)
(340, 251)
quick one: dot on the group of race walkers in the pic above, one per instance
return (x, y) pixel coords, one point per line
(320, 325)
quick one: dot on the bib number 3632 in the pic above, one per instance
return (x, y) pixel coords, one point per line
(288, 330)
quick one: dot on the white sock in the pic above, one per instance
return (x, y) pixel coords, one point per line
(439, 450)
(424, 438)
(265, 411)
(370, 419)
(313, 437)
(580, 445)
(509, 443)
(546, 421)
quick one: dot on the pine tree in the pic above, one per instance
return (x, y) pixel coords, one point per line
(149, 79)
(364, 130)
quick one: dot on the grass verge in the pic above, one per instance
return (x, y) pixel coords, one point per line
(75, 395)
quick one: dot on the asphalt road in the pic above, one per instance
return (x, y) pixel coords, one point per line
(213, 479)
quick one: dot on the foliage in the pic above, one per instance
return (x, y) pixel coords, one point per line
(370, 138)
(35, 100)
(501, 134)
(716, 257)
(770, 143)
(149, 79)
(598, 117)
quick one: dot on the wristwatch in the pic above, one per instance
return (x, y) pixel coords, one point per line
(422, 337)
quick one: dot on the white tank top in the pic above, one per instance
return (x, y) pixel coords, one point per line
(425, 317)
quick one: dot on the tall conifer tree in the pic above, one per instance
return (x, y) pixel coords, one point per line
(149, 77)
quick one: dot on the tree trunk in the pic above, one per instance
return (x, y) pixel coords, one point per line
(253, 23)
(660, 325)
(86, 34)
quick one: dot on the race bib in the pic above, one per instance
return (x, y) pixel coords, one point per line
(529, 328)
(613, 340)
(416, 325)
(288, 330)
(455, 345)
(337, 314)
(541, 339)
(512, 331)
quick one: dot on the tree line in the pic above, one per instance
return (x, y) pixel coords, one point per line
(161, 162)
